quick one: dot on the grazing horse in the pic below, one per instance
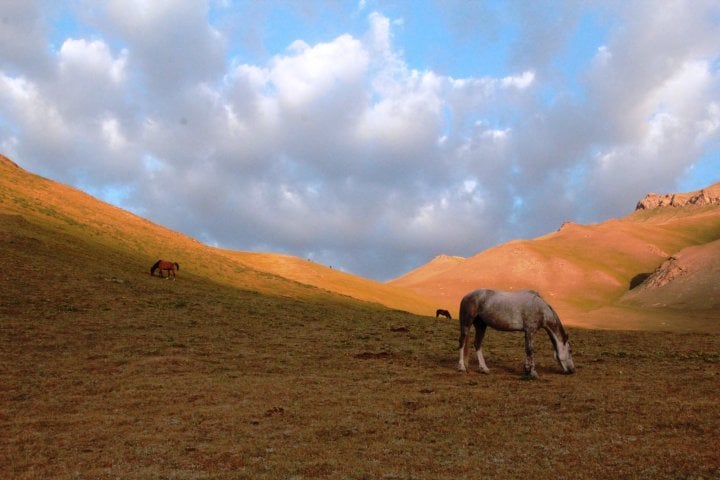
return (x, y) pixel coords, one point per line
(511, 311)
(444, 313)
(165, 266)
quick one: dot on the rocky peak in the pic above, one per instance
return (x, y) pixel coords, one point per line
(706, 196)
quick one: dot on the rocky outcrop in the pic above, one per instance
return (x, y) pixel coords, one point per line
(706, 196)
(668, 271)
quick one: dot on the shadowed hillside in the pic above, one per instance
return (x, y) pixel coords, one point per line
(688, 280)
(78, 215)
(585, 270)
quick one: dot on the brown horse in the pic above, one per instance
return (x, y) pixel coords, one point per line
(165, 266)
(444, 313)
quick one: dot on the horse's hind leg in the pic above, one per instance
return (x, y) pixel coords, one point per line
(479, 335)
(464, 347)
(530, 355)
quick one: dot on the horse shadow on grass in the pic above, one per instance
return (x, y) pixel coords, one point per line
(500, 365)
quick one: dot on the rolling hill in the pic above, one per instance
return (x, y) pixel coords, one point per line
(106, 230)
(593, 274)
(588, 271)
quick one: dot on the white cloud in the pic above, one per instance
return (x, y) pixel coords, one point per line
(652, 88)
(312, 72)
(114, 138)
(170, 41)
(410, 119)
(380, 36)
(520, 82)
(339, 148)
(23, 37)
(38, 119)
(89, 79)
(84, 58)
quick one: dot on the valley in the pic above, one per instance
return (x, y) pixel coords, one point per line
(257, 365)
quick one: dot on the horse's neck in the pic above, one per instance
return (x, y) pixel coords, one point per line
(556, 332)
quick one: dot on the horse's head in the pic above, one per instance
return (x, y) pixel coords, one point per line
(563, 355)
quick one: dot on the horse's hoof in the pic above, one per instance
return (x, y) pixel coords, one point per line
(462, 369)
(531, 375)
(486, 371)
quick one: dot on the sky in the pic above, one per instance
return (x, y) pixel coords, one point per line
(370, 136)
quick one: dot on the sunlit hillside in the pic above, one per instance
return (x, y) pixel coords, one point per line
(105, 227)
(591, 273)
(587, 269)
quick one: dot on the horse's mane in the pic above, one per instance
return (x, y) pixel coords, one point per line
(559, 324)
(563, 334)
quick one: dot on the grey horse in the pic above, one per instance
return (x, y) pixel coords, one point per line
(523, 310)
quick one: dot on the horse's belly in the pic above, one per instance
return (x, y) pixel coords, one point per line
(503, 321)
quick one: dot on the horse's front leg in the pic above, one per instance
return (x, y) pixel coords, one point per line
(530, 355)
(479, 335)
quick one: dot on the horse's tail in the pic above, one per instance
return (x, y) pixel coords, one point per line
(154, 267)
(465, 319)
(177, 266)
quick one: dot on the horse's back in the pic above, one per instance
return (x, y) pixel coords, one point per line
(470, 303)
(505, 310)
(167, 265)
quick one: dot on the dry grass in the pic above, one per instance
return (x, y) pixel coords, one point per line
(229, 372)
(107, 372)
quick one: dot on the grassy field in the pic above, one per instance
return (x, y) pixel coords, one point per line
(106, 372)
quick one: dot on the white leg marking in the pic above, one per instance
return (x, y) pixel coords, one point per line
(481, 361)
(461, 363)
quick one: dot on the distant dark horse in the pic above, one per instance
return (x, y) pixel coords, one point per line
(442, 312)
(165, 266)
(511, 311)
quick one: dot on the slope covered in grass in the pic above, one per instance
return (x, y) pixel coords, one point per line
(108, 372)
(107, 228)
(329, 279)
(580, 268)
